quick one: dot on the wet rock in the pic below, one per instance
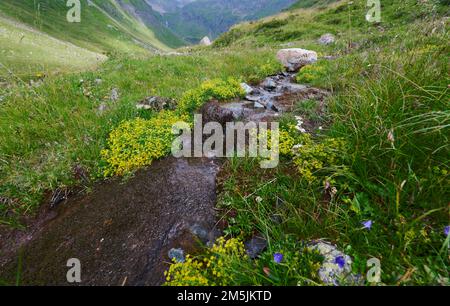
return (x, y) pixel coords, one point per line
(200, 232)
(271, 106)
(205, 41)
(156, 104)
(269, 84)
(327, 39)
(258, 105)
(177, 255)
(114, 96)
(255, 246)
(336, 268)
(247, 88)
(213, 112)
(296, 58)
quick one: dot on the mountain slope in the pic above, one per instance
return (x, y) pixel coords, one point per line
(194, 20)
(25, 50)
(107, 27)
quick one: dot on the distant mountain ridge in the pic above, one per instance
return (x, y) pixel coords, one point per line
(191, 20)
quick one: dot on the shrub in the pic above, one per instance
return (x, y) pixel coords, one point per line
(211, 268)
(136, 143)
(211, 89)
(313, 157)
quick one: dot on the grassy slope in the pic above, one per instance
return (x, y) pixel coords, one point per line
(26, 51)
(157, 23)
(388, 78)
(104, 28)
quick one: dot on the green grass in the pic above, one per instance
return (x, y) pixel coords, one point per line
(40, 29)
(46, 131)
(389, 104)
(26, 52)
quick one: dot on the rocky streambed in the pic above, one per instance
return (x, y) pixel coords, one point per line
(122, 232)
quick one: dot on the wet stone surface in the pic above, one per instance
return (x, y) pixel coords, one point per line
(121, 232)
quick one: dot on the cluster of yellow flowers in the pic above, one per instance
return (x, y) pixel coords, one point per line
(312, 157)
(136, 143)
(311, 73)
(209, 269)
(211, 89)
(289, 137)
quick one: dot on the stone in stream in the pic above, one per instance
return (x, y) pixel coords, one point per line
(296, 58)
(247, 88)
(213, 112)
(258, 105)
(176, 255)
(269, 84)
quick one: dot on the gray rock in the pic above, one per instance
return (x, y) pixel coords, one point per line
(114, 96)
(213, 112)
(295, 58)
(156, 104)
(98, 81)
(269, 84)
(177, 255)
(255, 246)
(200, 232)
(252, 98)
(258, 105)
(327, 39)
(271, 106)
(247, 88)
(336, 268)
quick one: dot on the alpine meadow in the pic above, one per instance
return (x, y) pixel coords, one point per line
(348, 101)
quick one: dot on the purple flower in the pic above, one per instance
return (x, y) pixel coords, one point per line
(340, 261)
(278, 257)
(446, 230)
(367, 224)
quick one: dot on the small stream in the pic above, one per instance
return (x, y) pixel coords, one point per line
(122, 231)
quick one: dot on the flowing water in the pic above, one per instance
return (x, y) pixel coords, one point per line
(122, 230)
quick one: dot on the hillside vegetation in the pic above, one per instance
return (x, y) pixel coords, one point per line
(382, 154)
(106, 27)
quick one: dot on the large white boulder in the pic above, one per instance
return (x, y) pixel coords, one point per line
(295, 58)
(205, 41)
